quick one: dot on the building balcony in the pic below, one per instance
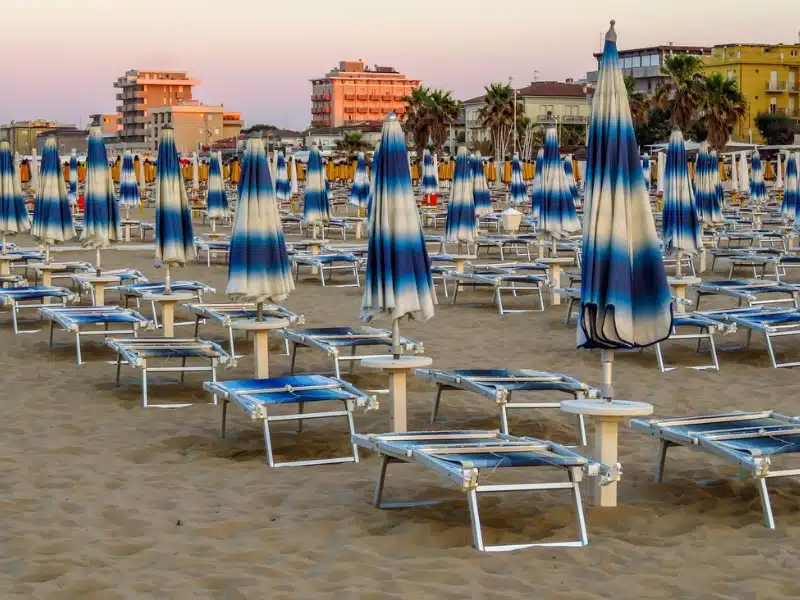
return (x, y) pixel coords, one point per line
(349, 96)
(361, 96)
(326, 109)
(119, 96)
(349, 109)
(362, 109)
(475, 123)
(776, 87)
(386, 97)
(374, 97)
(326, 97)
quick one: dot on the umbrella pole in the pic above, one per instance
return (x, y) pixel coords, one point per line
(607, 358)
(555, 247)
(396, 349)
(213, 226)
(678, 264)
(97, 259)
(260, 311)
(167, 282)
(47, 254)
(4, 243)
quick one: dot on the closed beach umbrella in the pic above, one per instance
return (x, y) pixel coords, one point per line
(558, 218)
(517, 192)
(174, 236)
(195, 171)
(34, 167)
(13, 214)
(791, 192)
(128, 184)
(778, 173)
(625, 299)
(717, 179)
(570, 174)
(462, 222)
(293, 175)
(283, 187)
(735, 187)
(359, 194)
(101, 211)
(758, 189)
(217, 200)
(430, 185)
(705, 189)
(662, 164)
(259, 264)
(480, 189)
(536, 188)
(646, 169)
(72, 193)
(52, 216)
(398, 279)
(744, 174)
(316, 209)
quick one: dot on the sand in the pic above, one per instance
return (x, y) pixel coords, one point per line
(104, 500)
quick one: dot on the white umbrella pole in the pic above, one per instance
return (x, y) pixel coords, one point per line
(396, 349)
(167, 282)
(678, 264)
(260, 311)
(4, 243)
(97, 259)
(47, 253)
(213, 226)
(555, 247)
(607, 358)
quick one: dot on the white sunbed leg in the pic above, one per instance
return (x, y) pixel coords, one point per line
(78, 347)
(144, 387)
(504, 418)
(197, 326)
(770, 349)
(119, 367)
(322, 275)
(300, 411)
(661, 459)
(155, 314)
(223, 427)
(214, 377)
(336, 367)
(769, 519)
(294, 357)
(582, 430)
(285, 347)
(576, 493)
(378, 496)
(713, 351)
(351, 427)
(660, 358)
(352, 362)
(14, 318)
(455, 291)
(499, 297)
(52, 328)
(474, 515)
(268, 443)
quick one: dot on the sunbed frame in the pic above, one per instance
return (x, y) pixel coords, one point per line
(212, 248)
(320, 263)
(705, 328)
(756, 292)
(500, 281)
(23, 298)
(139, 290)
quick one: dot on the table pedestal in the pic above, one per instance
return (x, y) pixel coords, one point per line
(556, 265)
(167, 302)
(398, 369)
(459, 260)
(679, 285)
(260, 329)
(5, 263)
(316, 248)
(99, 284)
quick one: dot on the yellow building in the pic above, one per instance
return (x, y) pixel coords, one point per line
(768, 77)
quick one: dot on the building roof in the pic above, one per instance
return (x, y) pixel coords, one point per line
(540, 89)
(369, 125)
(669, 47)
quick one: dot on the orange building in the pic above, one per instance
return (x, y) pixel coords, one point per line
(354, 92)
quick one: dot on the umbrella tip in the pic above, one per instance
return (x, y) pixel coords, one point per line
(611, 36)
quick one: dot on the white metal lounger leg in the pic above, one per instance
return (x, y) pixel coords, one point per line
(377, 499)
(224, 423)
(661, 459)
(769, 519)
(78, 346)
(144, 385)
(268, 442)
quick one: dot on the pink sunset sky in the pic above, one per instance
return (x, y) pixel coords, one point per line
(256, 56)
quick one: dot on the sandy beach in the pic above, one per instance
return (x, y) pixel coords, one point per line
(104, 500)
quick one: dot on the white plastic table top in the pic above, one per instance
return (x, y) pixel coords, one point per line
(267, 324)
(556, 260)
(611, 409)
(680, 281)
(174, 297)
(390, 363)
(98, 279)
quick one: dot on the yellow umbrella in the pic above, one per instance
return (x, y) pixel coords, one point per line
(491, 171)
(576, 170)
(81, 172)
(769, 171)
(723, 172)
(507, 172)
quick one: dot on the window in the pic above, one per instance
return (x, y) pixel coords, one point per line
(216, 131)
(793, 53)
(626, 63)
(731, 75)
(636, 61)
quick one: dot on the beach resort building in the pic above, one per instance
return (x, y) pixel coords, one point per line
(767, 74)
(21, 135)
(110, 124)
(196, 125)
(354, 92)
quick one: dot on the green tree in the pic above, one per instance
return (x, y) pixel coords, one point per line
(679, 95)
(351, 144)
(260, 127)
(442, 112)
(417, 119)
(721, 106)
(498, 116)
(657, 129)
(639, 102)
(776, 128)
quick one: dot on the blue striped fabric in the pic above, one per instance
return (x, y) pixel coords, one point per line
(101, 211)
(372, 179)
(558, 218)
(709, 211)
(174, 236)
(128, 184)
(217, 200)
(52, 215)
(680, 225)
(536, 189)
(72, 192)
(625, 299)
(398, 279)
(791, 189)
(462, 222)
(316, 207)
(570, 173)
(430, 184)
(283, 187)
(717, 179)
(359, 194)
(13, 214)
(259, 262)
(480, 189)
(328, 190)
(517, 193)
(646, 170)
(758, 189)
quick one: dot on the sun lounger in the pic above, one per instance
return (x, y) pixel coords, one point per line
(343, 224)
(13, 281)
(498, 385)
(124, 276)
(431, 238)
(331, 340)
(78, 319)
(288, 221)
(705, 328)
(320, 263)
(755, 292)
(227, 314)
(258, 397)
(138, 291)
(212, 248)
(65, 270)
(748, 439)
(500, 280)
(519, 244)
(32, 297)
(466, 458)
(136, 352)
(779, 261)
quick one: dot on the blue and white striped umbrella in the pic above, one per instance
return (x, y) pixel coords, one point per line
(372, 179)
(101, 212)
(259, 263)
(293, 176)
(480, 189)
(717, 179)
(316, 208)
(558, 218)
(536, 188)
(217, 200)
(570, 173)
(328, 189)
(13, 214)
(680, 225)
(462, 222)
(359, 194)
(52, 215)
(283, 187)
(646, 169)
(791, 189)
(625, 299)
(398, 279)
(128, 184)
(517, 194)
(72, 193)
(430, 185)
(174, 235)
(709, 210)
(758, 189)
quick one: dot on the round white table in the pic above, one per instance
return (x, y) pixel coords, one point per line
(398, 369)
(260, 329)
(167, 302)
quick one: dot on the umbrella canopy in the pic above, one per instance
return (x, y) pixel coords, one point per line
(13, 214)
(646, 169)
(517, 193)
(195, 171)
(778, 173)
(430, 185)
(52, 216)
(259, 264)
(558, 218)
(680, 225)
(72, 193)
(662, 167)
(791, 192)
(570, 173)
(480, 189)
(128, 184)
(744, 175)
(359, 194)
(217, 200)
(293, 175)
(174, 236)
(398, 279)
(316, 207)
(101, 212)
(758, 189)
(734, 175)
(625, 300)
(462, 222)
(705, 188)
(536, 188)
(283, 187)
(716, 177)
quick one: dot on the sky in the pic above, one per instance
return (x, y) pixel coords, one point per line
(61, 57)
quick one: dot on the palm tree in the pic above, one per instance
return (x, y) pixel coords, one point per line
(679, 94)
(442, 111)
(722, 105)
(498, 116)
(417, 116)
(640, 104)
(351, 144)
